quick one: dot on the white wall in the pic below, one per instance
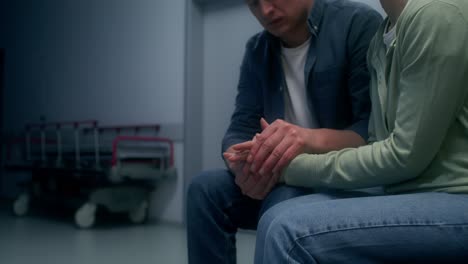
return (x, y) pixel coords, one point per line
(117, 61)
(227, 28)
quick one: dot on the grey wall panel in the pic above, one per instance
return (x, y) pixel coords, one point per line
(193, 120)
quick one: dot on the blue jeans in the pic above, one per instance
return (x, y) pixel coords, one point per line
(334, 227)
(216, 208)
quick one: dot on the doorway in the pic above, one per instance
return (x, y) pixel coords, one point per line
(2, 106)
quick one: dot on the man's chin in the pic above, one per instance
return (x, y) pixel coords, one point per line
(275, 32)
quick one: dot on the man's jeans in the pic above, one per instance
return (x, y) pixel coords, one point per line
(332, 228)
(216, 208)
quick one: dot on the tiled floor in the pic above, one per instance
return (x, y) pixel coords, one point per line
(54, 239)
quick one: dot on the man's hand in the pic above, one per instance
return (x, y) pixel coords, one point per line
(277, 145)
(269, 153)
(252, 185)
(235, 161)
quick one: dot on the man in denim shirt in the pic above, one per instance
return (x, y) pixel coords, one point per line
(306, 74)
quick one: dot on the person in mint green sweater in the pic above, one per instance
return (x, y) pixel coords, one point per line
(418, 150)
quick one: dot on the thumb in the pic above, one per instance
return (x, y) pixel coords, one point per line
(227, 155)
(263, 123)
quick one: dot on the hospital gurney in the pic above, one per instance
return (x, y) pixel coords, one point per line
(91, 167)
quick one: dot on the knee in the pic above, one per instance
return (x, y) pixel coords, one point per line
(203, 186)
(282, 193)
(273, 225)
(197, 187)
(274, 236)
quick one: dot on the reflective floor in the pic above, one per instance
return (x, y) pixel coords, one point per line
(53, 239)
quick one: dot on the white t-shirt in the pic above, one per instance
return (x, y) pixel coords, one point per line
(389, 35)
(297, 108)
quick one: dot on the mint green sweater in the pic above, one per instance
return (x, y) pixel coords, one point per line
(419, 122)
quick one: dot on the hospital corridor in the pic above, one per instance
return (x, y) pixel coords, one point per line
(109, 109)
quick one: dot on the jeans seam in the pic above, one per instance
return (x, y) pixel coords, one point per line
(324, 232)
(292, 248)
(382, 226)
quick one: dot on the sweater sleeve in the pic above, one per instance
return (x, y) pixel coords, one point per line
(432, 88)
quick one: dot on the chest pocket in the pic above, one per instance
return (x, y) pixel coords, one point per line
(328, 83)
(329, 99)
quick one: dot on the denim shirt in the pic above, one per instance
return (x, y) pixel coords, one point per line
(336, 74)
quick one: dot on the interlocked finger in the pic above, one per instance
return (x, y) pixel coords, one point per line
(260, 139)
(249, 183)
(244, 146)
(287, 157)
(265, 150)
(272, 182)
(258, 191)
(275, 156)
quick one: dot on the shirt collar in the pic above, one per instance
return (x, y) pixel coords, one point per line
(313, 23)
(315, 17)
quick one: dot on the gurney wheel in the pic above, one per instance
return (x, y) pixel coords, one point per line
(139, 214)
(85, 216)
(21, 205)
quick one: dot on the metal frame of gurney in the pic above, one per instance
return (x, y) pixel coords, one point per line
(89, 166)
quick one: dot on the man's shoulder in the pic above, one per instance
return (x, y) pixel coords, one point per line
(259, 45)
(339, 17)
(259, 40)
(350, 7)
(347, 4)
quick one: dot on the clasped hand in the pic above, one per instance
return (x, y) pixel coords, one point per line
(258, 163)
